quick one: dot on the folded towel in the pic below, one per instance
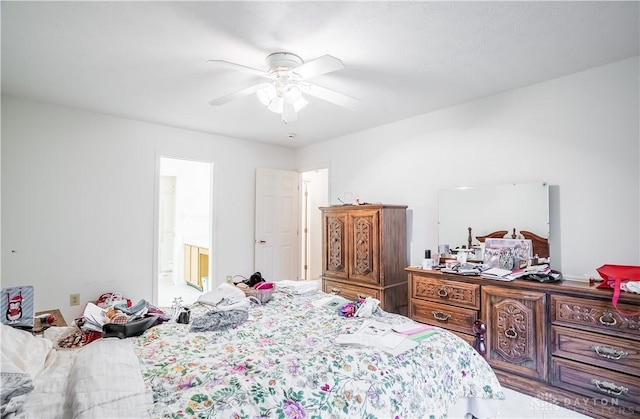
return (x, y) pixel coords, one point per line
(224, 291)
(297, 287)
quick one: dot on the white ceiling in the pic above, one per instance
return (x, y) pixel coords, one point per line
(148, 60)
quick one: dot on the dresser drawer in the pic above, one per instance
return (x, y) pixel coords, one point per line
(595, 315)
(447, 317)
(604, 387)
(461, 294)
(603, 351)
(350, 292)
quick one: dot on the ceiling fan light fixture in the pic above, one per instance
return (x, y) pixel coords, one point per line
(293, 95)
(274, 96)
(266, 93)
(276, 105)
(299, 103)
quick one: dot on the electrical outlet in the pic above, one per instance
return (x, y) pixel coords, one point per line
(74, 299)
(229, 279)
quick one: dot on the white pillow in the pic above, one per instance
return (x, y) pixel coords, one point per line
(28, 353)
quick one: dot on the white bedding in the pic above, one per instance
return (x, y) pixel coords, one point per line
(100, 380)
(259, 367)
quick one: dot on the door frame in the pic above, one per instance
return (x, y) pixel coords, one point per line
(156, 220)
(315, 241)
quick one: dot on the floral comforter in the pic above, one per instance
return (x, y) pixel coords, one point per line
(284, 362)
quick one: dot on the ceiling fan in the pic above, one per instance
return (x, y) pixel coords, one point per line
(284, 92)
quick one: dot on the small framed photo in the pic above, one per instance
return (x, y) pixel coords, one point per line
(507, 253)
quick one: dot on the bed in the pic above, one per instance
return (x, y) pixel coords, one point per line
(284, 361)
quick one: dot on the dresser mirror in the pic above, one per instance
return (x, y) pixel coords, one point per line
(487, 209)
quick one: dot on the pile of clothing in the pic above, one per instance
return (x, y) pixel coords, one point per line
(112, 315)
(228, 308)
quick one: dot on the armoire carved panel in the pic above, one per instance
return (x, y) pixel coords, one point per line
(363, 258)
(336, 249)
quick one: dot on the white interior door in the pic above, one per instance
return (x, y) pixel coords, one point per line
(277, 218)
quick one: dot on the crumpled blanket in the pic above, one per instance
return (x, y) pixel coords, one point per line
(219, 320)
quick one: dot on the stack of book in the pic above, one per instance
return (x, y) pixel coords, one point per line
(415, 331)
(507, 275)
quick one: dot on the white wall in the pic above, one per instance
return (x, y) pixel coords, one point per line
(579, 133)
(78, 188)
(79, 195)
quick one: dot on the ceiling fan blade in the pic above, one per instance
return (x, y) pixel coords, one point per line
(332, 96)
(235, 95)
(322, 65)
(234, 66)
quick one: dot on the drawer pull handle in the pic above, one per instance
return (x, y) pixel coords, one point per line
(335, 291)
(362, 297)
(609, 353)
(443, 317)
(511, 332)
(609, 388)
(607, 319)
(442, 292)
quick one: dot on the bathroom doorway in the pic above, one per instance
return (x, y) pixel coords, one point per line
(184, 230)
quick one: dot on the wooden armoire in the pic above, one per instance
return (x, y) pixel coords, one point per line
(364, 253)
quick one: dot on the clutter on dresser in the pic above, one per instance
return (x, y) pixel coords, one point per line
(620, 278)
(507, 253)
(46, 319)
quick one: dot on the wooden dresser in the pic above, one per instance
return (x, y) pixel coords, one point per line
(364, 253)
(563, 343)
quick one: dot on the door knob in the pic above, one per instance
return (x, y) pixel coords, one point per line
(262, 241)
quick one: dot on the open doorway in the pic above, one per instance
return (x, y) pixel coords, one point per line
(184, 230)
(314, 185)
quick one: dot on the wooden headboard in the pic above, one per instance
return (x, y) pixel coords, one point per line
(540, 244)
